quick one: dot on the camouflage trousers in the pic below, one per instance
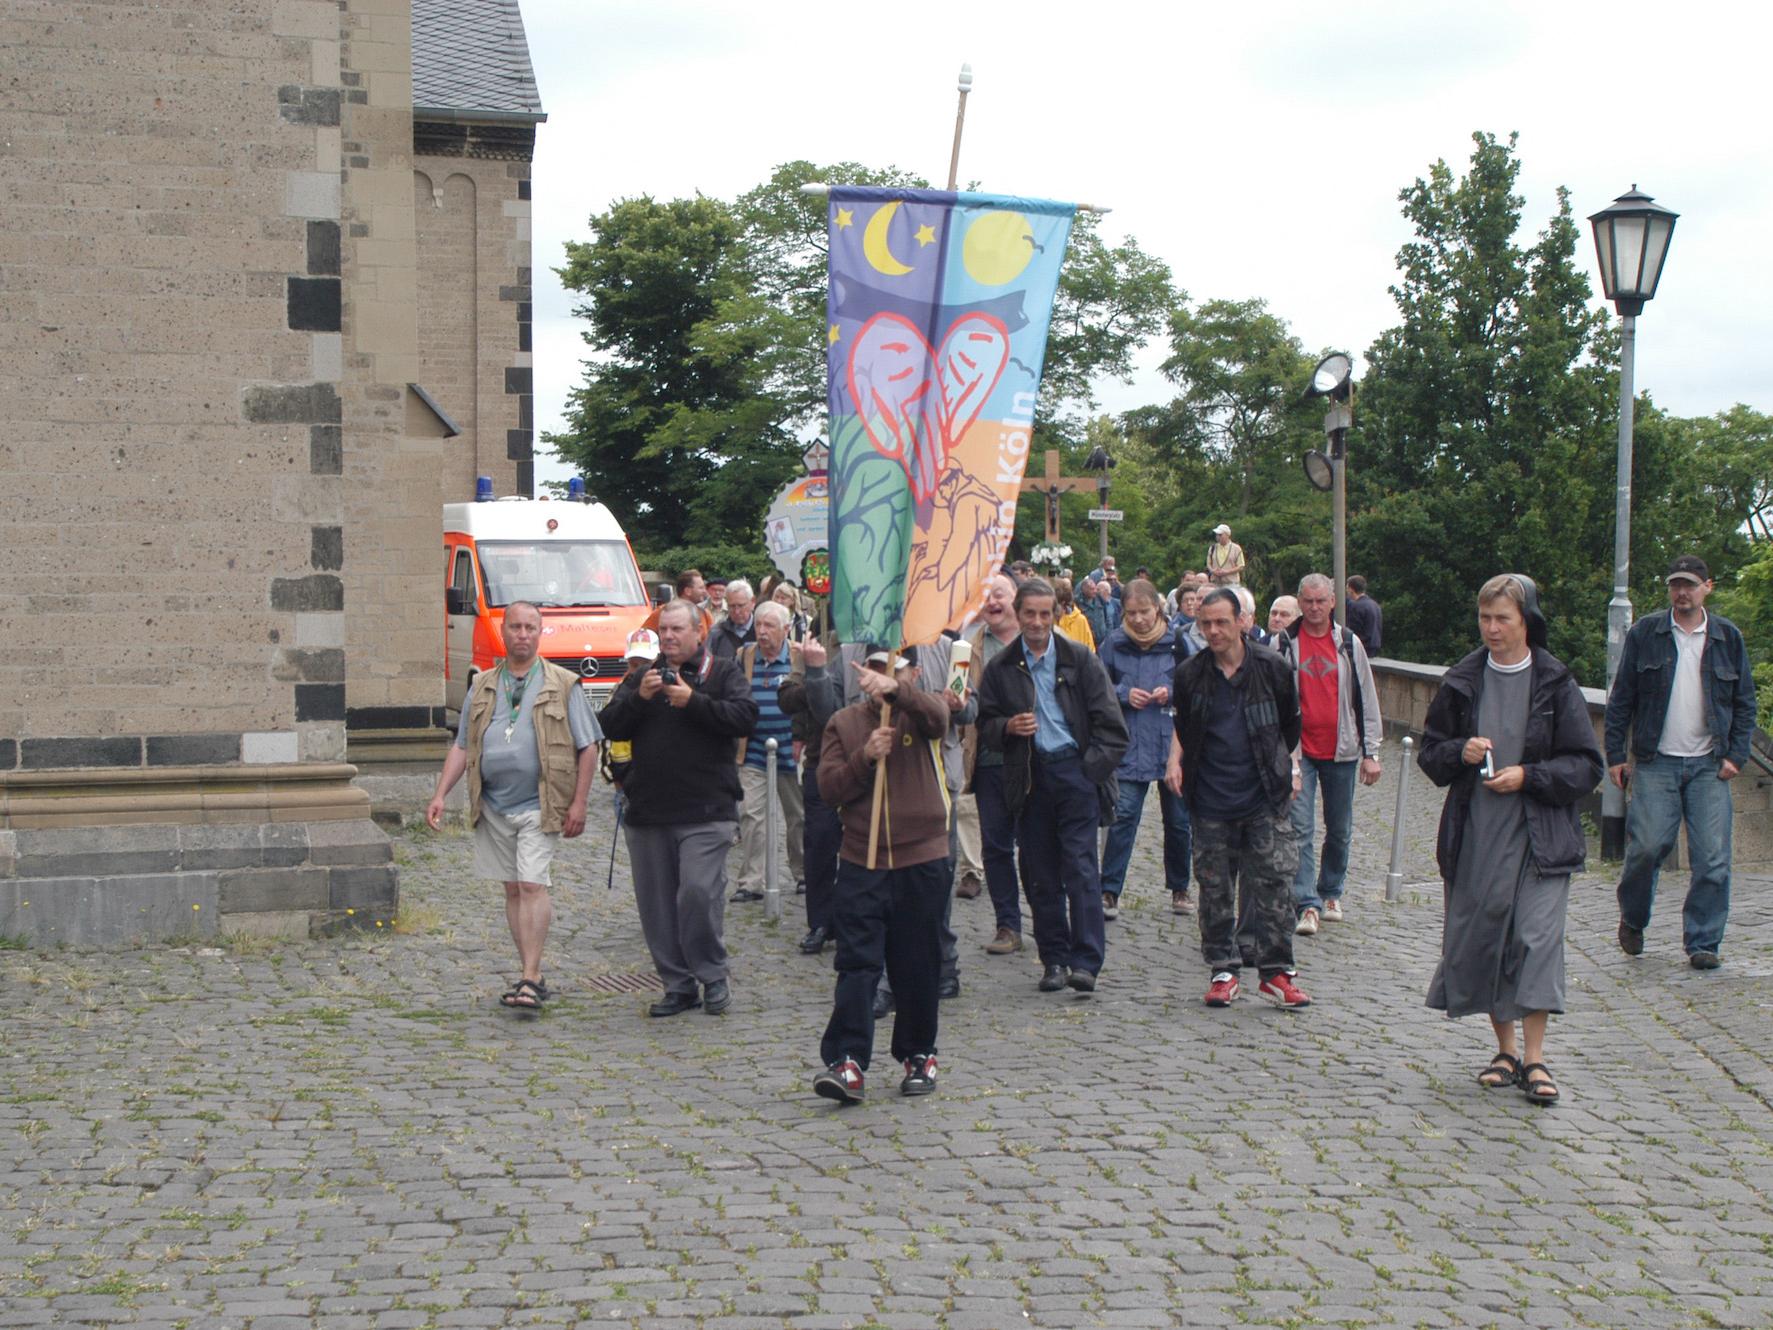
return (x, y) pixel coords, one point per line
(1261, 853)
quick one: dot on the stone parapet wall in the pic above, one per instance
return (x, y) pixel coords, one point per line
(1406, 689)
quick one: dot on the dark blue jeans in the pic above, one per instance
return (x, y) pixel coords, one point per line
(1312, 884)
(890, 921)
(1056, 835)
(1178, 836)
(997, 840)
(823, 833)
(1665, 792)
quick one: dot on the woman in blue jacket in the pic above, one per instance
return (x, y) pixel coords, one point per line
(1140, 657)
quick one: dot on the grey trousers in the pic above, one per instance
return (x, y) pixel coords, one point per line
(680, 890)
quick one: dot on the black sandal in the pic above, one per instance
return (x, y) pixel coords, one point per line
(1540, 1092)
(1505, 1066)
(524, 995)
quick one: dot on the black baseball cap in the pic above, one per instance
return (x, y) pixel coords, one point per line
(1689, 568)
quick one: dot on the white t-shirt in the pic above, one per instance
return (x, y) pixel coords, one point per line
(1685, 732)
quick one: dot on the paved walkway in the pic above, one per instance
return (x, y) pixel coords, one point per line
(350, 1134)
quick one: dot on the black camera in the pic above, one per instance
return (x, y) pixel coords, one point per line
(667, 675)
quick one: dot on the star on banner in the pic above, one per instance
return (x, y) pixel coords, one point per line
(832, 335)
(926, 235)
(845, 217)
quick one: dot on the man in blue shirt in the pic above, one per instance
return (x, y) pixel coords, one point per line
(1046, 704)
(767, 664)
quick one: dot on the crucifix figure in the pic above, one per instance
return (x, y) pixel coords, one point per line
(1050, 486)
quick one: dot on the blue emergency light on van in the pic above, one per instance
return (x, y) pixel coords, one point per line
(483, 490)
(575, 490)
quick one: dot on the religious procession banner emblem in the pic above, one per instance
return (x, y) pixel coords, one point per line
(937, 326)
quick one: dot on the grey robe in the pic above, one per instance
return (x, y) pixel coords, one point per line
(1502, 942)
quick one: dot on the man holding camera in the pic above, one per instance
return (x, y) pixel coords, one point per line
(682, 716)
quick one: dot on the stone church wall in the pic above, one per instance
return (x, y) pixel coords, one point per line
(188, 434)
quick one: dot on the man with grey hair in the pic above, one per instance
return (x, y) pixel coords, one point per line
(682, 713)
(739, 628)
(1340, 733)
(766, 665)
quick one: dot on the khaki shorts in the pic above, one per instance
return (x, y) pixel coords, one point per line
(514, 848)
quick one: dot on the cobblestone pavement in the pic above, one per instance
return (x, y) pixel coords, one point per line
(349, 1133)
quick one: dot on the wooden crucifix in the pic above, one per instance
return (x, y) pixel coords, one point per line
(1051, 485)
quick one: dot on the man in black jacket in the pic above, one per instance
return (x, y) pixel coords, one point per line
(1046, 704)
(1237, 726)
(682, 715)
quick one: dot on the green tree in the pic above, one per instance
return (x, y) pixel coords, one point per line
(1235, 435)
(677, 441)
(708, 324)
(1484, 431)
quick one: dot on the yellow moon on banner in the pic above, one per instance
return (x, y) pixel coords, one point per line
(874, 242)
(997, 248)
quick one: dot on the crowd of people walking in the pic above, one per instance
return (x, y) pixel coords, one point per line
(1015, 760)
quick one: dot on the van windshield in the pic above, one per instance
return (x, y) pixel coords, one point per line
(559, 573)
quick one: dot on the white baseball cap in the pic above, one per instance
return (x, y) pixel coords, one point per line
(643, 644)
(1221, 530)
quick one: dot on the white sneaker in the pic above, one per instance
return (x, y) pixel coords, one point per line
(1307, 926)
(1333, 911)
(1110, 905)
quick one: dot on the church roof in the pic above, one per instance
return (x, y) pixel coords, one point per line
(470, 59)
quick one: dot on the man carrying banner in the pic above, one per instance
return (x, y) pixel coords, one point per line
(1046, 704)
(887, 918)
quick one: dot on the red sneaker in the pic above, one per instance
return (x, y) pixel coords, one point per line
(1224, 990)
(841, 1081)
(1283, 992)
(920, 1075)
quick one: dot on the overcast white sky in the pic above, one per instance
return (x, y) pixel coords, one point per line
(1257, 149)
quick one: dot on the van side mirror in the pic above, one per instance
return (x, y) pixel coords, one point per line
(662, 592)
(457, 602)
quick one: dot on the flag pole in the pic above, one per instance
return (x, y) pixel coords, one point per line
(819, 189)
(960, 119)
(886, 718)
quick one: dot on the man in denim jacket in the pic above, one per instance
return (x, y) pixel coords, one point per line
(1685, 695)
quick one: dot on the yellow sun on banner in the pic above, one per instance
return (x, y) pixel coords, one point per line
(998, 246)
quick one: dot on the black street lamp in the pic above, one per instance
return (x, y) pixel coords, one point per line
(1101, 463)
(1631, 244)
(1334, 378)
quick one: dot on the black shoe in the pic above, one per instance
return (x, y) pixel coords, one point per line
(799, 888)
(1631, 940)
(717, 997)
(949, 987)
(1052, 979)
(1083, 981)
(674, 1004)
(1704, 960)
(920, 1075)
(883, 1002)
(814, 942)
(746, 897)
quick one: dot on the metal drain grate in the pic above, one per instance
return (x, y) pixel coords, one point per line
(624, 983)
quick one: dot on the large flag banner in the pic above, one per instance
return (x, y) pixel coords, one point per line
(936, 329)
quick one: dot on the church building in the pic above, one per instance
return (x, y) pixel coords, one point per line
(266, 267)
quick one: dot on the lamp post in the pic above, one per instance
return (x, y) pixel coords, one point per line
(1631, 244)
(1334, 378)
(1101, 463)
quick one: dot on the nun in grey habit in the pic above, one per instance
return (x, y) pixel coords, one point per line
(1510, 840)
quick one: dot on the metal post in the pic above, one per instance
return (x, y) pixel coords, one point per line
(965, 85)
(1102, 502)
(1619, 608)
(772, 891)
(1339, 532)
(1394, 880)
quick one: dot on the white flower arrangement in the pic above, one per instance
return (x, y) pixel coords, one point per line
(1049, 555)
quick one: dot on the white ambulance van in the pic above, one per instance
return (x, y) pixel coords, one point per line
(570, 557)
